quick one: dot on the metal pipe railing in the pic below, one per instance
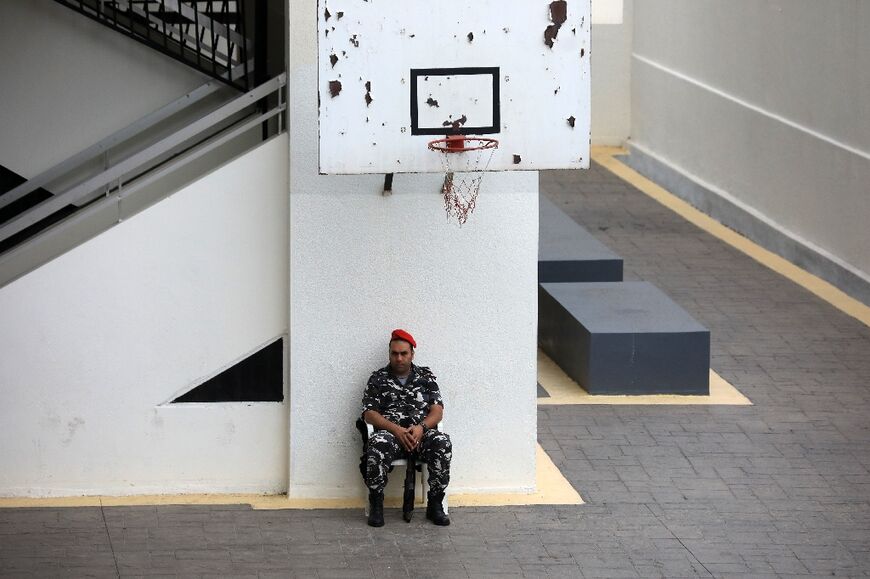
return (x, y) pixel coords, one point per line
(137, 165)
(129, 132)
(216, 48)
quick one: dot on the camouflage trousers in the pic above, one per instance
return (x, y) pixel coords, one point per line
(435, 450)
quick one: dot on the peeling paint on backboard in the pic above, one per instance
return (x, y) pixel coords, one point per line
(537, 104)
(558, 15)
(334, 88)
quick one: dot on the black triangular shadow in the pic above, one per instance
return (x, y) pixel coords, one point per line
(257, 378)
(9, 180)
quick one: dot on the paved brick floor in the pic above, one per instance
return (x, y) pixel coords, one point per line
(778, 489)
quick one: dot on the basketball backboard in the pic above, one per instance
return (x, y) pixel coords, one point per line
(395, 75)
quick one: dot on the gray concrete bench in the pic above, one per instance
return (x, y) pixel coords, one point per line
(567, 252)
(623, 338)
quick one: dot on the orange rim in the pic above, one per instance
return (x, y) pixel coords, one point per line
(449, 144)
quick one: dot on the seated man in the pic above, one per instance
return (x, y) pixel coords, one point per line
(402, 402)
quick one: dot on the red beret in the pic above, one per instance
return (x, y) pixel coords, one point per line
(404, 336)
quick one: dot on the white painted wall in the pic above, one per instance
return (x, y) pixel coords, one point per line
(611, 71)
(96, 341)
(69, 81)
(766, 104)
(362, 264)
(608, 11)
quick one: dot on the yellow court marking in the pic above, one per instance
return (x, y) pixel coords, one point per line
(552, 489)
(26, 502)
(605, 156)
(563, 390)
(256, 501)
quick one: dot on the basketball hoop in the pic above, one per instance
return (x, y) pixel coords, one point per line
(464, 160)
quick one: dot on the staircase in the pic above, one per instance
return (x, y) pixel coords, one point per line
(153, 156)
(217, 38)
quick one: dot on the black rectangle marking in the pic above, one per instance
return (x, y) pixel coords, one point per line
(463, 130)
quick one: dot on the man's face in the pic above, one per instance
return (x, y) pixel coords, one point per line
(401, 356)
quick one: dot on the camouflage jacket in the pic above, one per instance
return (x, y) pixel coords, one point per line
(405, 405)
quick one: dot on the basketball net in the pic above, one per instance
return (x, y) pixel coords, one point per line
(464, 159)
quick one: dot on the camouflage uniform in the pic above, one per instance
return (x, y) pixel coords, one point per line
(406, 406)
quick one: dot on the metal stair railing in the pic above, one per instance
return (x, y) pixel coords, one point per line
(141, 168)
(209, 35)
(131, 131)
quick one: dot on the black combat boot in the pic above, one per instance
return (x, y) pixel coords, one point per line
(376, 509)
(435, 510)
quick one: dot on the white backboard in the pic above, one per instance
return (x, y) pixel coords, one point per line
(395, 75)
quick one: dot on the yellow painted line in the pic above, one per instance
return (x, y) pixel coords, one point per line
(26, 502)
(563, 390)
(265, 502)
(552, 489)
(605, 156)
(256, 501)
